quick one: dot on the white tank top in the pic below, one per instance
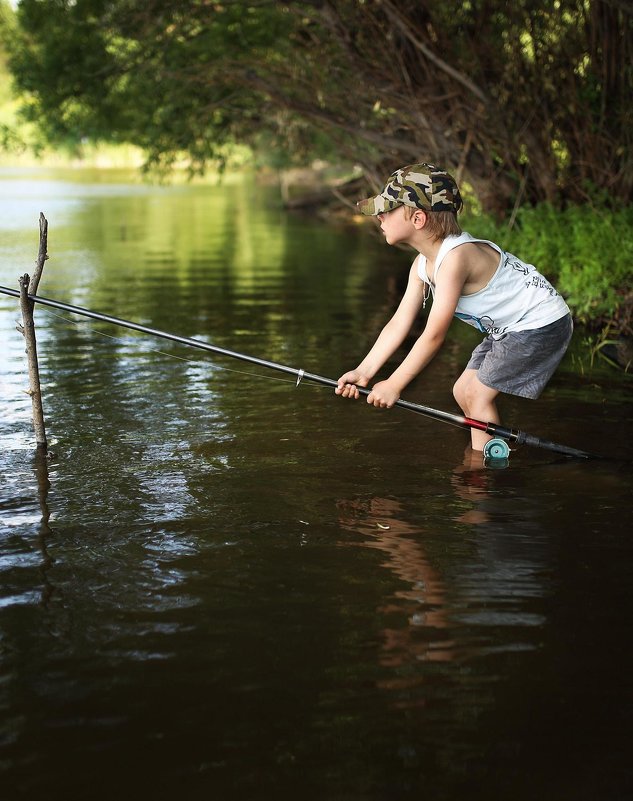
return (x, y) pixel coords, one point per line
(517, 297)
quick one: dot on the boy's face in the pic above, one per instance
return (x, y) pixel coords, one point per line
(396, 225)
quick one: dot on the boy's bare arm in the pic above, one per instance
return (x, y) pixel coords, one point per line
(448, 289)
(389, 340)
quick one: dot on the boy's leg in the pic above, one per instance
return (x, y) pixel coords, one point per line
(477, 401)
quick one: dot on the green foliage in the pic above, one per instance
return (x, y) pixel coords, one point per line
(11, 140)
(530, 98)
(586, 250)
(171, 78)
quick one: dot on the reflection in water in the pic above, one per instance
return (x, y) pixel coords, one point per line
(423, 601)
(501, 581)
(471, 482)
(505, 583)
(45, 532)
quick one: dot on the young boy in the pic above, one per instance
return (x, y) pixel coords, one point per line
(527, 324)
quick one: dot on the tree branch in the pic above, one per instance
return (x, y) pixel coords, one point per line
(405, 29)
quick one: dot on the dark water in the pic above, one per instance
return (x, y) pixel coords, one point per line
(223, 586)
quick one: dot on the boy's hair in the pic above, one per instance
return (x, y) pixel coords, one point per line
(439, 224)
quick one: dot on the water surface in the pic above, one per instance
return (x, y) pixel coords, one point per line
(225, 586)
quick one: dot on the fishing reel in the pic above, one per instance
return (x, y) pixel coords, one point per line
(496, 453)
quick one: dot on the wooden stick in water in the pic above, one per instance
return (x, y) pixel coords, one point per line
(28, 286)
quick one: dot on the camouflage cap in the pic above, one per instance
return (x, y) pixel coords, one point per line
(420, 186)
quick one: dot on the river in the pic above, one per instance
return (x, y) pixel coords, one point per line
(223, 585)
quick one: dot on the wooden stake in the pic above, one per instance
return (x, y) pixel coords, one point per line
(28, 286)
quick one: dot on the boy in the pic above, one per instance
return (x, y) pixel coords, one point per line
(527, 324)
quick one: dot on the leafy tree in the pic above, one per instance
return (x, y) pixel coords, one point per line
(529, 100)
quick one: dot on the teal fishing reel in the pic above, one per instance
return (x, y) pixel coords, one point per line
(496, 453)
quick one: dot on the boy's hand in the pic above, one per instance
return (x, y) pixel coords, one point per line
(347, 384)
(383, 395)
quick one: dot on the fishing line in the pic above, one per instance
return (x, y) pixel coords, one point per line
(301, 379)
(121, 341)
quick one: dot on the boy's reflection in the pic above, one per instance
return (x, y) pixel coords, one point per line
(384, 524)
(380, 520)
(470, 482)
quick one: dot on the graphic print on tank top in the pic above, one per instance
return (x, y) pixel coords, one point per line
(483, 324)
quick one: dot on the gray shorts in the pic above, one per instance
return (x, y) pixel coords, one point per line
(522, 362)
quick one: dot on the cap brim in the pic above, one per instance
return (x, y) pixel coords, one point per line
(376, 205)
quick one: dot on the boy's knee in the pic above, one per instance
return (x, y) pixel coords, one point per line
(460, 388)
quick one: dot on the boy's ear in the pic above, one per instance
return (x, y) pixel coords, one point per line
(419, 219)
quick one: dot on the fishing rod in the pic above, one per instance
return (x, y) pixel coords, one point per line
(505, 435)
